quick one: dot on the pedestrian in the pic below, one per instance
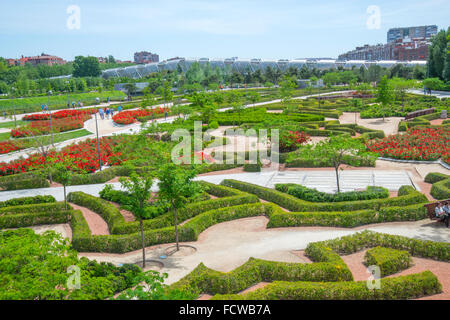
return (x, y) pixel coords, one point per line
(102, 113)
(107, 100)
(73, 104)
(119, 109)
(4, 115)
(43, 107)
(165, 115)
(112, 112)
(107, 113)
(79, 103)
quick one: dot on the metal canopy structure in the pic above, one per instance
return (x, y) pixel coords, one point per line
(245, 65)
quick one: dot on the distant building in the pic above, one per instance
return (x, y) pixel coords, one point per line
(423, 32)
(404, 44)
(145, 57)
(44, 59)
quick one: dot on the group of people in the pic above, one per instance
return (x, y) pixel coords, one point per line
(442, 212)
(106, 112)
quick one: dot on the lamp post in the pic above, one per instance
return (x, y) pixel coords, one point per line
(68, 101)
(98, 143)
(50, 113)
(14, 109)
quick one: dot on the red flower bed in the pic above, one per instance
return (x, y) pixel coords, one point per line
(424, 144)
(290, 141)
(83, 154)
(60, 114)
(7, 146)
(130, 116)
(43, 126)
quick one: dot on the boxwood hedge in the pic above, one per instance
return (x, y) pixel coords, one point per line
(389, 260)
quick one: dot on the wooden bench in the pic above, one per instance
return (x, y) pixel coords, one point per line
(430, 210)
(419, 113)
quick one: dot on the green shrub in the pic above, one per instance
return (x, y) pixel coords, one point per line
(398, 288)
(389, 260)
(313, 195)
(27, 200)
(407, 196)
(441, 190)
(213, 125)
(33, 208)
(28, 180)
(252, 167)
(434, 177)
(21, 220)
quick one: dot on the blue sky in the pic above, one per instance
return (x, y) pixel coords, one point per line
(206, 28)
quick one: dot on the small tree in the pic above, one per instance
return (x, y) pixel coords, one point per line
(139, 192)
(175, 186)
(43, 144)
(384, 94)
(287, 89)
(338, 150)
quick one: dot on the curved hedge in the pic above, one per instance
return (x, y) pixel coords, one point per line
(407, 196)
(404, 287)
(328, 277)
(389, 260)
(440, 189)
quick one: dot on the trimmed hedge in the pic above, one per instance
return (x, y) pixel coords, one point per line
(27, 200)
(328, 277)
(313, 163)
(33, 208)
(389, 260)
(252, 167)
(21, 220)
(313, 195)
(407, 196)
(440, 189)
(346, 219)
(404, 287)
(26, 180)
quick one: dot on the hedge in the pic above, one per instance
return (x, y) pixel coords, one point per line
(403, 287)
(33, 208)
(440, 189)
(27, 200)
(328, 277)
(346, 219)
(26, 180)
(313, 163)
(389, 260)
(252, 167)
(308, 194)
(31, 219)
(407, 196)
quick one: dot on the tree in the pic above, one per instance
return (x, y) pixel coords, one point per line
(86, 67)
(139, 191)
(400, 86)
(433, 83)
(384, 94)
(131, 88)
(437, 54)
(338, 150)
(175, 186)
(62, 172)
(287, 89)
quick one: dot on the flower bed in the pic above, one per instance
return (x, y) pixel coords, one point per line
(84, 155)
(8, 146)
(43, 126)
(423, 144)
(131, 116)
(59, 115)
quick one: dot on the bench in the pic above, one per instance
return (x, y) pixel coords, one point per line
(430, 210)
(419, 113)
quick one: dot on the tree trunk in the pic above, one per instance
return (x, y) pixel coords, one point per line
(233, 118)
(176, 226)
(337, 179)
(143, 242)
(239, 117)
(65, 198)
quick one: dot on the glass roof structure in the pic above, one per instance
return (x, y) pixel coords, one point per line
(245, 65)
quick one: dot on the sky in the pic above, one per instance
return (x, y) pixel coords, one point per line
(282, 29)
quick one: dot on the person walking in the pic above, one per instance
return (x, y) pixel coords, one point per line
(102, 113)
(107, 113)
(165, 114)
(119, 109)
(112, 112)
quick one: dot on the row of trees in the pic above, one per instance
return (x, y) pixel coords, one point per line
(439, 56)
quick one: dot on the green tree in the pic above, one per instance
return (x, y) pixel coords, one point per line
(176, 185)
(338, 150)
(384, 94)
(287, 89)
(139, 191)
(437, 54)
(86, 67)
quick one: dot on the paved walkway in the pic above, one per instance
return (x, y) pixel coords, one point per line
(226, 246)
(323, 180)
